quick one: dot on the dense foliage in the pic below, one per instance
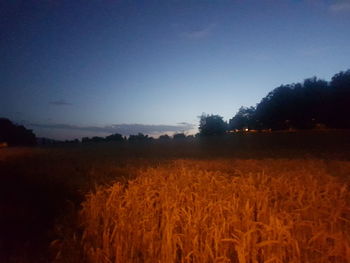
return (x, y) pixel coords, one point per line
(313, 103)
(212, 125)
(15, 135)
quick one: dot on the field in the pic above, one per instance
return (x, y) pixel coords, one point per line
(274, 197)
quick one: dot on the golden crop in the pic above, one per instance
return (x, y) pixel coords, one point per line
(245, 211)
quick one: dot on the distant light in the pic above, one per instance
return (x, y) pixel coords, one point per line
(246, 129)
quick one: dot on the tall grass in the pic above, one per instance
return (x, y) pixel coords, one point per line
(197, 211)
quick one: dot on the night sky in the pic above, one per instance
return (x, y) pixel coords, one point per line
(71, 68)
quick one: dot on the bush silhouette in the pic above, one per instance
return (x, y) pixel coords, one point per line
(179, 136)
(16, 135)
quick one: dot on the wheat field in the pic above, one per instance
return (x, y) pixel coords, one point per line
(246, 211)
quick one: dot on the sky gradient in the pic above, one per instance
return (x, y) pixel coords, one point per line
(82, 68)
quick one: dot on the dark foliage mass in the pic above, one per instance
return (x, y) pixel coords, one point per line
(139, 138)
(115, 138)
(110, 138)
(15, 135)
(179, 136)
(312, 104)
(164, 137)
(212, 125)
(243, 118)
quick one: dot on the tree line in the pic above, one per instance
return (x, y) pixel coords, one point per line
(12, 134)
(140, 137)
(116, 137)
(314, 103)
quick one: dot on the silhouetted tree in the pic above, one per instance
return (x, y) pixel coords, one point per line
(306, 105)
(294, 106)
(179, 136)
(16, 135)
(341, 81)
(74, 141)
(114, 138)
(164, 137)
(245, 118)
(340, 108)
(140, 137)
(274, 111)
(212, 125)
(93, 139)
(85, 140)
(97, 139)
(47, 141)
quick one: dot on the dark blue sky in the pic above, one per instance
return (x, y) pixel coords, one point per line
(74, 68)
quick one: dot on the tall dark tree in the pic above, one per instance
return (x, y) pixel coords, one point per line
(15, 135)
(299, 105)
(341, 81)
(340, 110)
(211, 125)
(244, 118)
(275, 110)
(310, 101)
(313, 103)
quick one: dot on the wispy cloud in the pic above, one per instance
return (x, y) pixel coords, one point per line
(340, 6)
(60, 102)
(124, 129)
(199, 33)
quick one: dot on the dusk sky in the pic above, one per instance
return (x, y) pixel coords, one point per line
(71, 68)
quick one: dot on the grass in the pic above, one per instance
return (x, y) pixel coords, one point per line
(42, 189)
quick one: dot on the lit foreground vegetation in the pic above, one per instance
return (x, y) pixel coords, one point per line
(221, 211)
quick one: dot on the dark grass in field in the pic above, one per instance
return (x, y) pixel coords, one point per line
(42, 188)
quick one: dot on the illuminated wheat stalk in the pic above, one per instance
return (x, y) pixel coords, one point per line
(188, 212)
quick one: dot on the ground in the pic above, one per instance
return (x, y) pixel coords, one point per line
(42, 189)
